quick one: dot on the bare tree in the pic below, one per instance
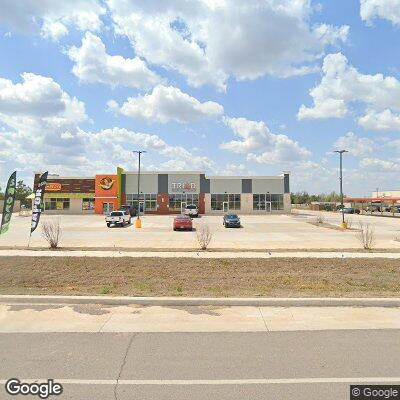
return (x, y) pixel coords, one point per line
(349, 223)
(366, 236)
(204, 236)
(51, 231)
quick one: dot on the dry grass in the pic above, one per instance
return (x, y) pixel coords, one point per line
(286, 277)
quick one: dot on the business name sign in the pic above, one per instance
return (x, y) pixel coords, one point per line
(183, 186)
(106, 183)
(53, 187)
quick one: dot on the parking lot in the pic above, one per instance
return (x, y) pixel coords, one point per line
(258, 232)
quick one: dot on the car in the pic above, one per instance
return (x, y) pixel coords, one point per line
(182, 222)
(350, 210)
(118, 218)
(191, 210)
(231, 221)
(130, 209)
(375, 207)
(395, 208)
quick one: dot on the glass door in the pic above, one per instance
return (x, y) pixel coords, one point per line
(225, 206)
(268, 206)
(107, 208)
(141, 207)
(183, 206)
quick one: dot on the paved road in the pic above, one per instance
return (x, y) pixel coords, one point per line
(223, 365)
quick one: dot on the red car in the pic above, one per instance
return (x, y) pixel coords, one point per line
(183, 222)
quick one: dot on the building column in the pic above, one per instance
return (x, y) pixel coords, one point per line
(287, 203)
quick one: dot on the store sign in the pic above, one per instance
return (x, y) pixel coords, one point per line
(183, 186)
(53, 187)
(106, 183)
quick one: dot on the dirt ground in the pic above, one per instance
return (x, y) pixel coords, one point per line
(284, 277)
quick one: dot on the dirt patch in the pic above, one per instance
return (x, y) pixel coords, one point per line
(283, 277)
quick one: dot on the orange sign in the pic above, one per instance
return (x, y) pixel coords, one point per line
(53, 187)
(106, 183)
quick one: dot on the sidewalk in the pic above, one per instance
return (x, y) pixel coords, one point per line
(197, 254)
(30, 318)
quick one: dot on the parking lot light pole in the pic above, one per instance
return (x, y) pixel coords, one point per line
(344, 225)
(138, 222)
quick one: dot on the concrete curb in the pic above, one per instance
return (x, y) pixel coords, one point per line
(198, 301)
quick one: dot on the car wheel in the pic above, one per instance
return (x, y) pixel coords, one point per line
(108, 225)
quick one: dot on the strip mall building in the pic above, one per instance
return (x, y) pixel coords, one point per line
(167, 193)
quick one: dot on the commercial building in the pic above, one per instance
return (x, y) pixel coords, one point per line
(169, 193)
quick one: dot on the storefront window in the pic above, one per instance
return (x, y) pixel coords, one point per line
(267, 202)
(150, 201)
(87, 204)
(176, 200)
(218, 200)
(56, 204)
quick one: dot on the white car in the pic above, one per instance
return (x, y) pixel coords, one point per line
(191, 210)
(118, 218)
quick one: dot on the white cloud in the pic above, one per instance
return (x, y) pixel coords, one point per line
(357, 146)
(93, 65)
(261, 145)
(378, 165)
(208, 41)
(40, 130)
(385, 120)
(167, 103)
(342, 84)
(40, 100)
(385, 9)
(51, 17)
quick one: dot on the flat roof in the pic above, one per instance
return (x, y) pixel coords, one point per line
(375, 199)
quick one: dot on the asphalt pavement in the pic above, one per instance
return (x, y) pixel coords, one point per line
(209, 365)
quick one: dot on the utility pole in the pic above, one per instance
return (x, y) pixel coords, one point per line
(138, 222)
(344, 225)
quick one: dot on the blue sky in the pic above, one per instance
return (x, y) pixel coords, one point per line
(228, 87)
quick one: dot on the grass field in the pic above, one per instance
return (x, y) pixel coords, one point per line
(284, 277)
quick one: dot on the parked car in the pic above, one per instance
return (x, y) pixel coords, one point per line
(130, 209)
(375, 207)
(182, 222)
(395, 209)
(118, 218)
(348, 210)
(191, 210)
(231, 221)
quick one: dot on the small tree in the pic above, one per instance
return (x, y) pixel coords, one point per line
(204, 236)
(21, 192)
(51, 231)
(366, 236)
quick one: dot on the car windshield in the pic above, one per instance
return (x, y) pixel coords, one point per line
(117, 213)
(182, 217)
(231, 216)
(191, 207)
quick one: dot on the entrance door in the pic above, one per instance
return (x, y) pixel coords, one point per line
(183, 206)
(107, 208)
(225, 206)
(141, 207)
(268, 206)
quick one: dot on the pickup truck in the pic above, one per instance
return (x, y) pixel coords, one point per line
(118, 218)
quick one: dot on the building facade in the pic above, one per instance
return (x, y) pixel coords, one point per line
(170, 192)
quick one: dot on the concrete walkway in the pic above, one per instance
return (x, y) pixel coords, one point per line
(34, 318)
(197, 254)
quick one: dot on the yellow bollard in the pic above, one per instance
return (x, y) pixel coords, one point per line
(138, 223)
(343, 225)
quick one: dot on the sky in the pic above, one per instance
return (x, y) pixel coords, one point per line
(222, 86)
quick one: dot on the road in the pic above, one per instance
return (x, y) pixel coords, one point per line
(262, 364)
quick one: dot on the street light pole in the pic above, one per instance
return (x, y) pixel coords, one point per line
(341, 182)
(138, 223)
